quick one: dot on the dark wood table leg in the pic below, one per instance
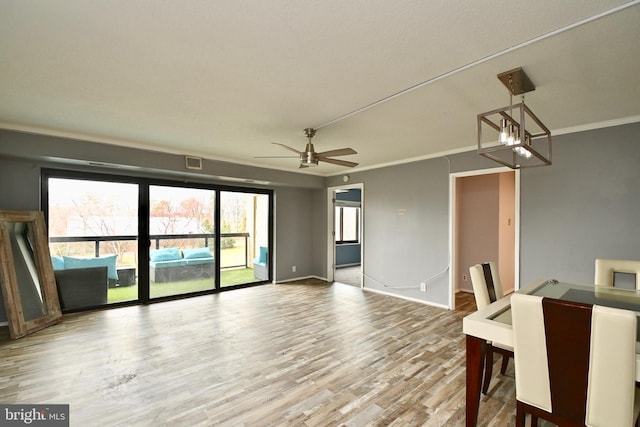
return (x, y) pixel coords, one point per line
(476, 348)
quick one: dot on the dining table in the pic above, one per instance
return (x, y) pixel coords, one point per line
(493, 324)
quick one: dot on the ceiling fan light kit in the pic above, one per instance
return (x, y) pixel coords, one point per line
(513, 135)
(309, 157)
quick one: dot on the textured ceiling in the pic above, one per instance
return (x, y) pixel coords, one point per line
(224, 79)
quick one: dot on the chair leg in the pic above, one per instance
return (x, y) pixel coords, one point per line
(488, 368)
(534, 421)
(520, 415)
(505, 363)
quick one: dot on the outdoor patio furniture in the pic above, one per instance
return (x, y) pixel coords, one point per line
(260, 270)
(173, 264)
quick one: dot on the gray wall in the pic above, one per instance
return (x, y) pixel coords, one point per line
(19, 185)
(347, 254)
(297, 228)
(300, 202)
(67, 153)
(406, 228)
(586, 205)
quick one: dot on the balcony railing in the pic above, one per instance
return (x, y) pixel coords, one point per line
(156, 239)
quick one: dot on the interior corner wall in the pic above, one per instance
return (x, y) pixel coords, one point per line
(297, 231)
(406, 231)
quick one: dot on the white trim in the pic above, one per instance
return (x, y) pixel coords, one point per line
(452, 232)
(145, 146)
(597, 125)
(421, 301)
(295, 279)
(468, 148)
(516, 237)
(331, 255)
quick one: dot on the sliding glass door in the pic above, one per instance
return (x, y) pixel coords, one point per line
(197, 239)
(245, 238)
(93, 240)
(182, 234)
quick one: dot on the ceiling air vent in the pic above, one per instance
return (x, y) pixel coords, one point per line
(193, 162)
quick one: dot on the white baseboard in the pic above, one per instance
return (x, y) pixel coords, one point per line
(299, 278)
(421, 301)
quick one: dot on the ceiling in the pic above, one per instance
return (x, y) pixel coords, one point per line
(397, 81)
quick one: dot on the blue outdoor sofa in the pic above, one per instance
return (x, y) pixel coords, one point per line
(173, 264)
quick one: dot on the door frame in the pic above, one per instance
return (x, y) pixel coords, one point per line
(452, 228)
(331, 243)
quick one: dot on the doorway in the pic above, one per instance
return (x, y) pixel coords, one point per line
(345, 237)
(485, 226)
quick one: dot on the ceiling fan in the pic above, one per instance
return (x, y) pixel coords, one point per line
(309, 157)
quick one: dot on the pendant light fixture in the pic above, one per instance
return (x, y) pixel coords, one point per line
(513, 135)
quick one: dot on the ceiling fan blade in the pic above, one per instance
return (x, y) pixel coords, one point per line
(339, 152)
(302, 166)
(339, 162)
(276, 157)
(287, 147)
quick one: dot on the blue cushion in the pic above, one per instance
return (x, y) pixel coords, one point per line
(166, 254)
(194, 261)
(170, 263)
(196, 253)
(104, 261)
(58, 262)
(262, 258)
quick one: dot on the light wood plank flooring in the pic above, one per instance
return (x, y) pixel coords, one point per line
(348, 275)
(296, 354)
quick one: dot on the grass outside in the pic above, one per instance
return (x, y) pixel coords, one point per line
(227, 278)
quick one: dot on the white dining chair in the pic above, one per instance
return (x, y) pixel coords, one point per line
(575, 363)
(607, 268)
(487, 288)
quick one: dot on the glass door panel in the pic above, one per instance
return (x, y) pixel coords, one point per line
(182, 233)
(244, 238)
(93, 240)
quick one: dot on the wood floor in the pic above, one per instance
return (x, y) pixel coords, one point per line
(296, 354)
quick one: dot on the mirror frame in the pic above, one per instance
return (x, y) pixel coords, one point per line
(18, 325)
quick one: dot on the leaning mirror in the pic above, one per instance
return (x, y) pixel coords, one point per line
(26, 274)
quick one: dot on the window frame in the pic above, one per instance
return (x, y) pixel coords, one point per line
(339, 224)
(143, 223)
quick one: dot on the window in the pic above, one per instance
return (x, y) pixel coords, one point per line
(94, 223)
(347, 224)
(201, 238)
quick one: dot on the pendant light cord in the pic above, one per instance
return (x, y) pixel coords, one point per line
(481, 60)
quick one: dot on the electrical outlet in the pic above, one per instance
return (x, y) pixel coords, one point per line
(423, 287)
(293, 269)
(464, 277)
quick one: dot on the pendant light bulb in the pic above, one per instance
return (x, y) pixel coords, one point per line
(504, 132)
